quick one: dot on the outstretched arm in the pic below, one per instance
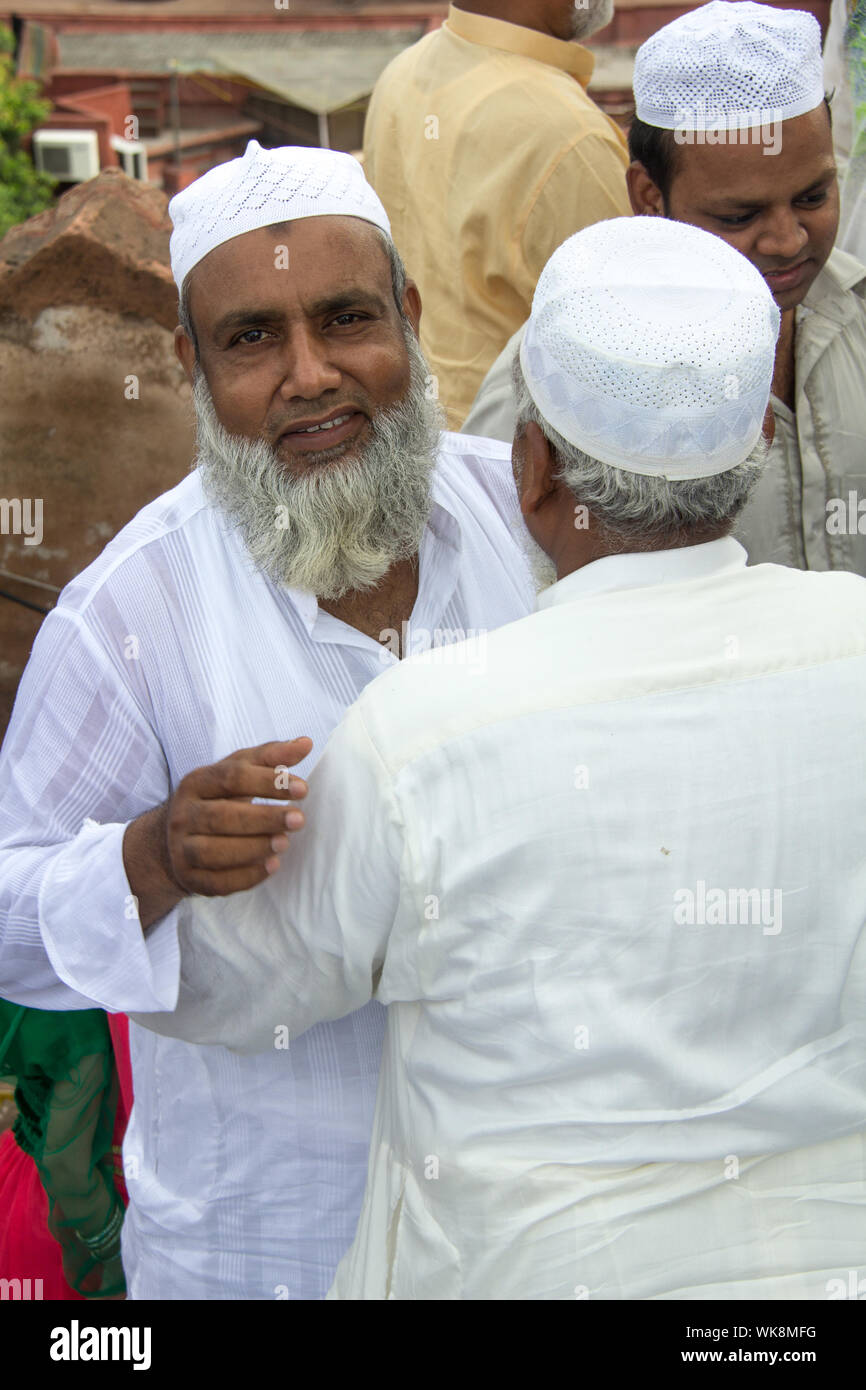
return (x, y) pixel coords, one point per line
(310, 942)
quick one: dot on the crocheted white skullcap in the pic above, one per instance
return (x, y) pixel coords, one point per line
(650, 346)
(262, 187)
(730, 65)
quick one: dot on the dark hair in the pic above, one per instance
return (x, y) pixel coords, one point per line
(657, 150)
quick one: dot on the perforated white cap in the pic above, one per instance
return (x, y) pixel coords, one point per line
(260, 188)
(729, 65)
(650, 346)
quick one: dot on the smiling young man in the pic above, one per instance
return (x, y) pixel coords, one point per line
(732, 135)
(246, 606)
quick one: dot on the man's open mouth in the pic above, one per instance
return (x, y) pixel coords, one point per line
(321, 434)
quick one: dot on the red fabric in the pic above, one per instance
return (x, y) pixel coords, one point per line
(27, 1249)
(118, 1026)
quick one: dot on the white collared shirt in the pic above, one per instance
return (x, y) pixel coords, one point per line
(166, 654)
(607, 870)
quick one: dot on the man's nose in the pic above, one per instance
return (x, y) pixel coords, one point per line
(309, 372)
(782, 234)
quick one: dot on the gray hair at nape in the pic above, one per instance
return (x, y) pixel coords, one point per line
(637, 511)
(398, 287)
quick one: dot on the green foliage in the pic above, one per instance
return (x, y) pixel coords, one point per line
(23, 191)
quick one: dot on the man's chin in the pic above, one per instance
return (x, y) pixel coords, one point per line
(302, 462)
(791, 296)
(300, 452)
(786, 300)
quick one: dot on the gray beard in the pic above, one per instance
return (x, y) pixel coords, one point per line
(589, 18)
(341, 525)
(541, 567)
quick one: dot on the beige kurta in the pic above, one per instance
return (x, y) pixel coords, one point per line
(487, 152)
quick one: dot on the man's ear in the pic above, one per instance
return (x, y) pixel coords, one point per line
(644, 195)
(412, 305)
(768, 429)
(185, 352)
(538, 467)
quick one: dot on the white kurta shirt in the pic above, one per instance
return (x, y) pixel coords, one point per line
(613, 889)
(169, 652)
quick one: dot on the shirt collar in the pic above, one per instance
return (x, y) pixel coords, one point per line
(831, 292)
(640, 569)
(516, 38)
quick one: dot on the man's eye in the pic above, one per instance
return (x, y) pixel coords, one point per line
(248, 336)
(814, 200)
(739, 220)
(346, 320)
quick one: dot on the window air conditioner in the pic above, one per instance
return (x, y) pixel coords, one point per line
(132, 155)
(70, 155)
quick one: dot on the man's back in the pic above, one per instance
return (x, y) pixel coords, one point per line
(487, 153)
(643, 985)
(605, 866)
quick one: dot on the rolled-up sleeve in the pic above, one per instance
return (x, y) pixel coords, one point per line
(79, 762)
(309, 944)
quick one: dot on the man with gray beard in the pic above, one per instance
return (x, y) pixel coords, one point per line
(331, 531)
(202, 661)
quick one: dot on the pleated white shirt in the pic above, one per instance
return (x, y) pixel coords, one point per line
(613, 891)
(169, 652)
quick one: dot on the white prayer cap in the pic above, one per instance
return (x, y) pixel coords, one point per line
(731, 65)
(650, 346)
(262, 187)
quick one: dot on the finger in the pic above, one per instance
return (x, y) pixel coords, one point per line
(215, 853)
(270, 754)
(233, 778)
(221, 885)
(233, 818)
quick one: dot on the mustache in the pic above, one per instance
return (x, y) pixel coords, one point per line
(318, 410)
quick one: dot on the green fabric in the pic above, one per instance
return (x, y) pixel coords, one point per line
(36, 1041)
(855, 42)
(66, 1092)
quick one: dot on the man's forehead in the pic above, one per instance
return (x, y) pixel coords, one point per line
(308, 250)
(743, 170)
